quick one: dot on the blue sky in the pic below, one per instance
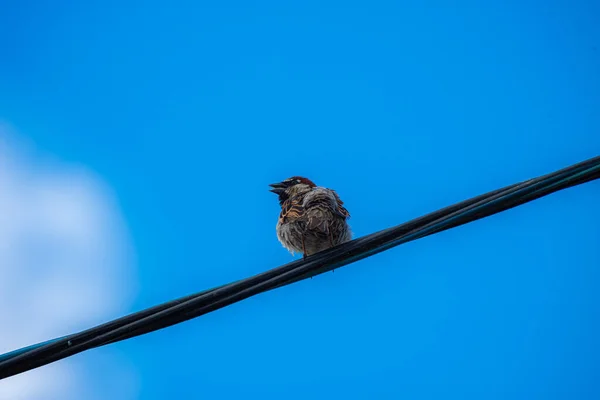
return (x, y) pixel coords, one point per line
(187, 112)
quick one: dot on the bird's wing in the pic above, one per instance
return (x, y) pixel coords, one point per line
(341, 210)
(318, 221)
(291, 210)
(319, 208)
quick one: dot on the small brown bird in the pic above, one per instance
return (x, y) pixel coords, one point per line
(312, 218)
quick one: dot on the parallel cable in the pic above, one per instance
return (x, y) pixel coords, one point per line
(192, 306)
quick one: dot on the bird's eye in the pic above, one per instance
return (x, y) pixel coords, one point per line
(298, 181)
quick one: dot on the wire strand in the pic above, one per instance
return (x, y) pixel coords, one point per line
(192, 306)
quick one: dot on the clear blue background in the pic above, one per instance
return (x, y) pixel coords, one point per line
(189, 110)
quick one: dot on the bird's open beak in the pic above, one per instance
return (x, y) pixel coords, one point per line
(278, 188)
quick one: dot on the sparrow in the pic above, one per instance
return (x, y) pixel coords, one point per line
(312, 218)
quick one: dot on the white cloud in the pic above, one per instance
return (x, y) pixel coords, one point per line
(65, 265)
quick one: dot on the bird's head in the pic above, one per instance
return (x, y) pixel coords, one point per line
(291, 187)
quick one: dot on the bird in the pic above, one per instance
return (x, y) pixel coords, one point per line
(312, 218)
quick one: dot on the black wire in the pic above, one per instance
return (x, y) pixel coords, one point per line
(99, 340)
(201, 303)
(127, 319)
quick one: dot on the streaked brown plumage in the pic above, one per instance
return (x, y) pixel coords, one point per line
(312, 218)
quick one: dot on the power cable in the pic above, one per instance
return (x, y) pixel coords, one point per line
(192, 306)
